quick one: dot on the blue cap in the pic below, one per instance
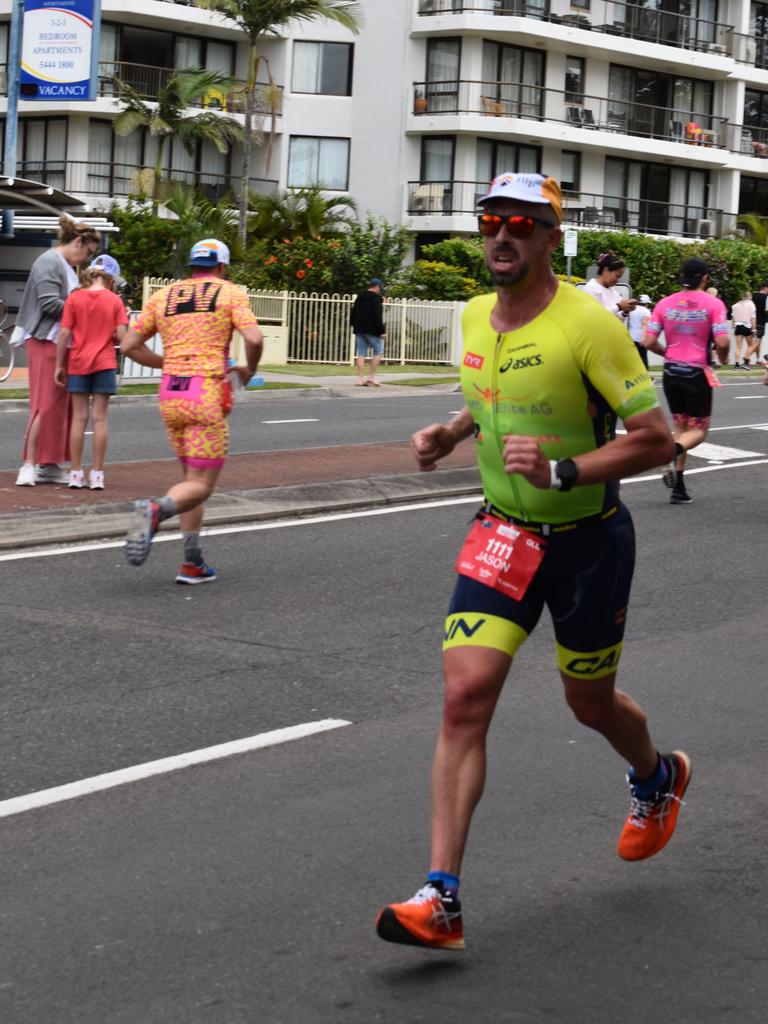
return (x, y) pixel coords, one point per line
(106, 263)
(376, 281)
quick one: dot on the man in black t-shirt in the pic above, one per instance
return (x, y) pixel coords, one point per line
(759, 299)
(368, 324)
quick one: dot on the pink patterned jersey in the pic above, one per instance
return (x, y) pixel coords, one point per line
(195, 319)
(690, 320)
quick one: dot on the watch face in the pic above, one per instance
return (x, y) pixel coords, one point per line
(567, 473)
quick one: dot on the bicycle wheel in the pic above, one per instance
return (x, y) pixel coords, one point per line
(6, 358)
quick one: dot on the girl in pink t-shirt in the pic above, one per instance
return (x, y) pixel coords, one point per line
(93, 321)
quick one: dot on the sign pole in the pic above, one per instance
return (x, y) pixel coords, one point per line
(12, 117)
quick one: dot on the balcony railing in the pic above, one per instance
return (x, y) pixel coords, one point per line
(533, 102)
(623, 19)
(750, 50)
(458, 198)
(148, 80)
(119, 180)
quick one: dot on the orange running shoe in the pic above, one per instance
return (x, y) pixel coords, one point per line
(430, 918)
(651, 822)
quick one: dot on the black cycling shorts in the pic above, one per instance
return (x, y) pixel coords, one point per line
(584, 580)
(687, 391)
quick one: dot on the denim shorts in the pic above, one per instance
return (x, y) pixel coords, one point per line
(366, 341)
(103, 382)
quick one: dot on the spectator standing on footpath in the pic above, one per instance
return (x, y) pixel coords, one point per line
(52, 277)
(744, 318)
(550, 463)
(367, 319)
(610, 270)
(94, 318)
(689, 319)
(195, 318)
(636, 324)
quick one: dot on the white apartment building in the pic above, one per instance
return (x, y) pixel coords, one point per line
(653, 115)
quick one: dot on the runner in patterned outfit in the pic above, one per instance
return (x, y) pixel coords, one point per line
(545, 374)
(195, 319)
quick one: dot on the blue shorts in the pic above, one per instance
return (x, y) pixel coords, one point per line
(103, 382)
(584, 579)
(369, 341)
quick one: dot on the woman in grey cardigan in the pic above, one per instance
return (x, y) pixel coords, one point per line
(51, 279)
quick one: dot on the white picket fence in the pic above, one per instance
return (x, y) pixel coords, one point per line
(302, 328)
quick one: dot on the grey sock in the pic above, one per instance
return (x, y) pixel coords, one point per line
(167, 508)
(192, 550)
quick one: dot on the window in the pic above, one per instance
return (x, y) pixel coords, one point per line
(753, 195)
(574, 79)
(494, 158)
(443, 63)
(42, 149)
(322, 68)
(515, 77)
(655, 197)
(570, 171)
(650, 100)
(315, 161)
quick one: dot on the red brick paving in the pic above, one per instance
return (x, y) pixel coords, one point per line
(128, 480)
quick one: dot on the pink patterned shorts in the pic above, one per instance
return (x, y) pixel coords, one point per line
(191, 408)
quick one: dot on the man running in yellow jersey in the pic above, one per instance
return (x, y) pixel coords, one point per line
(545, 374)
(195, 319)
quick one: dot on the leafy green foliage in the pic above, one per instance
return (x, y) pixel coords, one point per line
(654, 263)
(433, 279)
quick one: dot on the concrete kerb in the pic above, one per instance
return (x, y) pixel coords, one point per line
(104, 522)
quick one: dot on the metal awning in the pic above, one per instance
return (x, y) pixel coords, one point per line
(44, 222)
(21, 195)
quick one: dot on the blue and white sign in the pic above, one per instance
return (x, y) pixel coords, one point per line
(59, 47)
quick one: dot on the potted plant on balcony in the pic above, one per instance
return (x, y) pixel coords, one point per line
(420, 102)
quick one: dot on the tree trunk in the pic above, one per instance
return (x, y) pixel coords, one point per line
(158, 173)
(250, 90)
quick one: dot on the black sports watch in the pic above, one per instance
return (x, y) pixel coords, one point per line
(567, 472)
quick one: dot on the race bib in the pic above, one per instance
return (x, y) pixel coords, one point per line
(501, 555)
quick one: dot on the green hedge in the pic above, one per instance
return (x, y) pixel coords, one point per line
(654, 263)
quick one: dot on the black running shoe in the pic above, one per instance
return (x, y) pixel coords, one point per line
(680, 496)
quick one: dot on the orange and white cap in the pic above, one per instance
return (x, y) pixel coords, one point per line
(526, 188)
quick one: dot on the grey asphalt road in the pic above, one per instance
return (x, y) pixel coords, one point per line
(136, 431)
(275, 424)
(245, 890)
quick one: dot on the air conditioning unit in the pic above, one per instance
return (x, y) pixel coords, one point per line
(705, 229)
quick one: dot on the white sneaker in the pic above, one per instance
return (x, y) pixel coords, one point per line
(76, 479)
(26, 477)
(51, 474)
(96, 480)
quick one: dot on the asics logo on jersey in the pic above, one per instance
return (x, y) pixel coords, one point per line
(192, 297)
(521, 364)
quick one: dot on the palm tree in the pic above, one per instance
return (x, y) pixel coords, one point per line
(167, 115)
(302, 212)
(257, 19)
(755, 226)
(198, 217)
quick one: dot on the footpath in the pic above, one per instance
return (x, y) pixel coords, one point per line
(256, 486)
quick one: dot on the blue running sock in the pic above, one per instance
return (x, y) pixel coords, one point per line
(450, 882)
(645, 788)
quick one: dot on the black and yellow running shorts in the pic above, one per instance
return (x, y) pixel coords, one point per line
(584, 580)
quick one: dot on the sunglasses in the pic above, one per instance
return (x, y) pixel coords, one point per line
(517, 225)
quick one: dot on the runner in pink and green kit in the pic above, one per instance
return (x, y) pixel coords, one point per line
(690, 319)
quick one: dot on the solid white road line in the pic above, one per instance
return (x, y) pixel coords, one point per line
(291, 421)
(747, 398)
(58, 794)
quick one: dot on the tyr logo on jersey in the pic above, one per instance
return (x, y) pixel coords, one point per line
(473, 362)
(192, 297)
